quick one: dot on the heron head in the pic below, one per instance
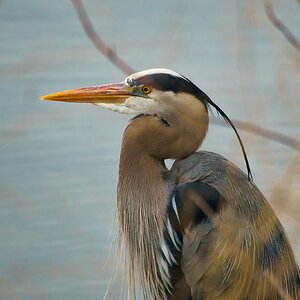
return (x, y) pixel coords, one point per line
(153, 91)
(160, 92)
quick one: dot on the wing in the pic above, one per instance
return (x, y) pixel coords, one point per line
(227, 241)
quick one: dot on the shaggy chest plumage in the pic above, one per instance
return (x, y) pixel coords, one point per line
(143, 223)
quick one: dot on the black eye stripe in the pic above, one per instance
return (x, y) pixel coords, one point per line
(167, 82)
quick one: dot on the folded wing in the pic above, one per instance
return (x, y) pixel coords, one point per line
(230, 243)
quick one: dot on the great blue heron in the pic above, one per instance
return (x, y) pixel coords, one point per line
(201, 230)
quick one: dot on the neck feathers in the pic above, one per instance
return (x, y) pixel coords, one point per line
(141, 206)
(144, 188)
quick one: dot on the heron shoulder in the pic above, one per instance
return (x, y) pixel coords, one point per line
(204, 166)
(219, 173)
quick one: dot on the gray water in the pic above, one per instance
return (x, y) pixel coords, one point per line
(58, 162)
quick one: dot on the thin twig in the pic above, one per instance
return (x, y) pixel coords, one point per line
(263, 132)
(98, 41)
(280, 25)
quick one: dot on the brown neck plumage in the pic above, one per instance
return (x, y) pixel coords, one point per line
(140, 210)
(143, 191)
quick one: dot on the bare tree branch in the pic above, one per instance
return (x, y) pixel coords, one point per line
(280, 25)
(123, 66)
(263, 132)
(98, 41)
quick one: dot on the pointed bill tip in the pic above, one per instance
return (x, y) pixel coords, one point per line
(68, 96)
(109, 93)
(47, 97)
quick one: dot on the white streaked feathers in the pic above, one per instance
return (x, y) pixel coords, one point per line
(151, 72)
(122, 109)
(173, 235)
(167, 259)
(174, 205)
(132, 105)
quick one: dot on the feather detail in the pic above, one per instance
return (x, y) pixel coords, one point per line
(245, 254)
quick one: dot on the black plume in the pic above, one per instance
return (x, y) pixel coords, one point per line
(226, 118)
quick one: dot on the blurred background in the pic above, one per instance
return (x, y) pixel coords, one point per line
(59, 162)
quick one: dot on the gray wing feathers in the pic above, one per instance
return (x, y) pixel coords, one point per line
(225, 177)
(242, 252)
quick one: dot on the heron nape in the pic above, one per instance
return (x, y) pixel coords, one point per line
(201, 229)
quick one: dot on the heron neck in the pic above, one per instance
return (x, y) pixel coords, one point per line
(141, 207)
(142, 187)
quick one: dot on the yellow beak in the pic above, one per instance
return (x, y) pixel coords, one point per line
(114, 93)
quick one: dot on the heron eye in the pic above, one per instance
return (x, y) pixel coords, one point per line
(146, 89)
